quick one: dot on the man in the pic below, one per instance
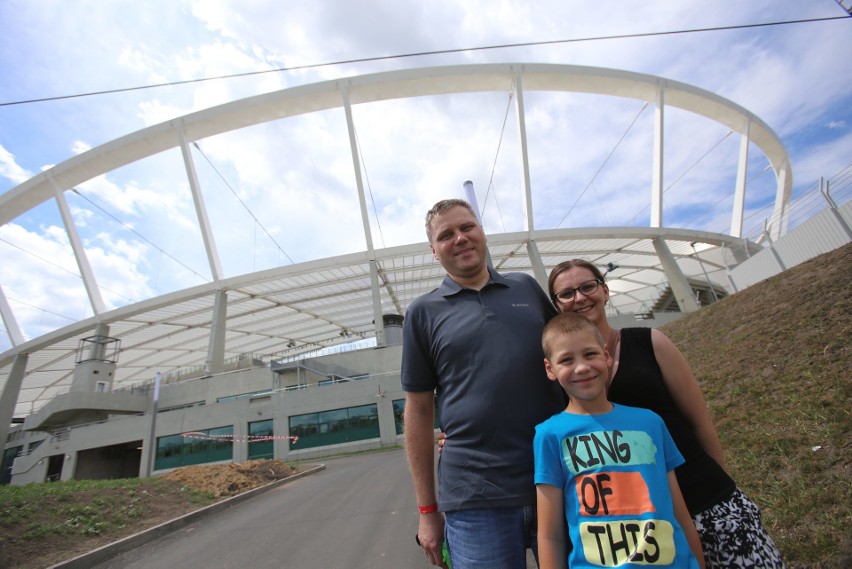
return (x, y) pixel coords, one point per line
(475, 341)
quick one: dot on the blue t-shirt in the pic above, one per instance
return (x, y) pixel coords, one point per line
(481, 351)
(613, 469)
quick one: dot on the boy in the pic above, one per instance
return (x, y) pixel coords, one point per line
(607, 469)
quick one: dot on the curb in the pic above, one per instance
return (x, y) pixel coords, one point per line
(106, 552)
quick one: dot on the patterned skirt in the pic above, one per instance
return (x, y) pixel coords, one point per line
(732, 536)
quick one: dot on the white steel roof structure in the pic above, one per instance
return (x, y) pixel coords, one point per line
(309, 306)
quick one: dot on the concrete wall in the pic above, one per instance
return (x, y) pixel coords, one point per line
(824, 232)
(381, 388)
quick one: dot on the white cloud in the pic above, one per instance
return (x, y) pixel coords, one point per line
(296, 176)
(10, 169)
(80, 147)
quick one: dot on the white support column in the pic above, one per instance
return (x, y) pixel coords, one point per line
(680, 286)
(12, 328)
(537, 264)
(97, 349)
(200, 210)
(529, 224)
(365, 218)
(146, 468)
(79, 252)
(470, 193)
(381, 341)
(9, 397)
(215, 362)
(739, 190)
(529, 217)
(780, 217)
(657, 167)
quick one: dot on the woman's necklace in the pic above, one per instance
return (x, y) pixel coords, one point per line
(612, 345)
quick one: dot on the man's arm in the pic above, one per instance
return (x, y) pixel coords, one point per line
(420, 448)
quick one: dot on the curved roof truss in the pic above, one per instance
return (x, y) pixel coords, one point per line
(299, 309)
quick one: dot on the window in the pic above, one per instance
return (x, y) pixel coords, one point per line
(198, 447)
(243, 396)
(179, 407)
(9, 456)
(335, 426)
(260, 448)
(399, 415)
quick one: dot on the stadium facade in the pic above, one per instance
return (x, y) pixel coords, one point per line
(302, 361)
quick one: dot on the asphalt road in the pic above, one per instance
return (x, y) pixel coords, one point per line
(359, 512)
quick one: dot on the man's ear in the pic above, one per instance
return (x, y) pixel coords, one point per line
(549, 370)
(434, 254)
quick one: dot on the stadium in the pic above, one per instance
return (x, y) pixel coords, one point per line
(301, 360)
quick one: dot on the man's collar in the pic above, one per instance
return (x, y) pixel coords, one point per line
(450, 287)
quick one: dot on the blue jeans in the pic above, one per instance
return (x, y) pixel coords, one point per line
(491, 539)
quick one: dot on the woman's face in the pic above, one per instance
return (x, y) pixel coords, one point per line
(591, 306)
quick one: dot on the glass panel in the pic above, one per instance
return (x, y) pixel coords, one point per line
(261, 448)
(9, 456)
(335, 426)
(211, 445)
(398, 409)
(399, 415)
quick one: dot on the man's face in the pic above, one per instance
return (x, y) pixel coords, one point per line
(458, 243)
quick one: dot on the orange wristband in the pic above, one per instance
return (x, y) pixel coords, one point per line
(428, 509)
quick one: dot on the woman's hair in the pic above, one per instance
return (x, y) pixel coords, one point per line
(565, 265)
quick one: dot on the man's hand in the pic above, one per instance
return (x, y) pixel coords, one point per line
(430, 537)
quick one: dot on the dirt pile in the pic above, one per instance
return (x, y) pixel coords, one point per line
(230, 479)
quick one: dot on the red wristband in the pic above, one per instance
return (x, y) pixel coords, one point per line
(428, 509)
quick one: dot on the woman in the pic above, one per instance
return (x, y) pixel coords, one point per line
(649, 371)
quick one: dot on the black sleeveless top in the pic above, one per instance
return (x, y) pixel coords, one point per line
(639, 382)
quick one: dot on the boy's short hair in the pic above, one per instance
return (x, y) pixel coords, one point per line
(567, 323)
(442, 207)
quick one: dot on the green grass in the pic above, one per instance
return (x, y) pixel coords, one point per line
(773, 362)
(41, 524)
(73, 508)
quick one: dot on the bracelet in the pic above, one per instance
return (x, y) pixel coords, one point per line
(431, 508)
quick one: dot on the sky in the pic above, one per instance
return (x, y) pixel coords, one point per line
(284, 192)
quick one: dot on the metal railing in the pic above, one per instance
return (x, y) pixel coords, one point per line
(812, 200)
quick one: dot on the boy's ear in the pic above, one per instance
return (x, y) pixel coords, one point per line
(549, 370)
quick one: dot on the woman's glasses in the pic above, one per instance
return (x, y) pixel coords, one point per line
(567, 295)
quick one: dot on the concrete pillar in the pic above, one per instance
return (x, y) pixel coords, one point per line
(9, 397)
(215, 362)
(537, 264)
(680, 286)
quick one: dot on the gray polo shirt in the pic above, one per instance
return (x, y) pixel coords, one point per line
(481, 351)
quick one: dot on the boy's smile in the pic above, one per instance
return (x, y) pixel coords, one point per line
(581, 366)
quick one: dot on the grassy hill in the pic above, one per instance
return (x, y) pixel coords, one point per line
(773, 362)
